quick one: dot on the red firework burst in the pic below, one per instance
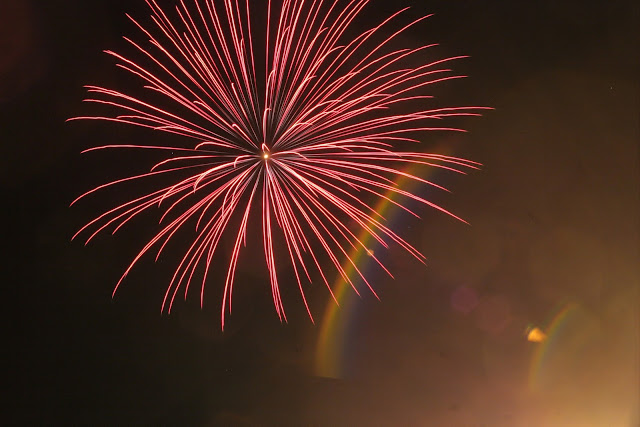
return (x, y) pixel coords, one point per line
(311, 142)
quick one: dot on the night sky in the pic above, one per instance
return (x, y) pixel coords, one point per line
(554, 217)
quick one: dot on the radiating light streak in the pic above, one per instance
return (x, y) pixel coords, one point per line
(310, 153)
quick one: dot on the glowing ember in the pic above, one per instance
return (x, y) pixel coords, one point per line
(536, 335)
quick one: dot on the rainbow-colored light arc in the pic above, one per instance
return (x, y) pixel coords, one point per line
(338, 318)
(553, 333)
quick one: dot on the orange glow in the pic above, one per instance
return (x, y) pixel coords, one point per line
(536, 335)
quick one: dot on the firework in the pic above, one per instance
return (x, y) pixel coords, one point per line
(287, 122)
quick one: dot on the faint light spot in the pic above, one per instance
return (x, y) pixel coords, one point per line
(494, 314)
(464, 300)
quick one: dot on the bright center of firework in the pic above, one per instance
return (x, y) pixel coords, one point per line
(265, 151)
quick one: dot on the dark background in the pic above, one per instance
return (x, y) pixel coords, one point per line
(554, 216)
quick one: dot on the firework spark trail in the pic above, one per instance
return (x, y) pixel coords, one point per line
(322, 135)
